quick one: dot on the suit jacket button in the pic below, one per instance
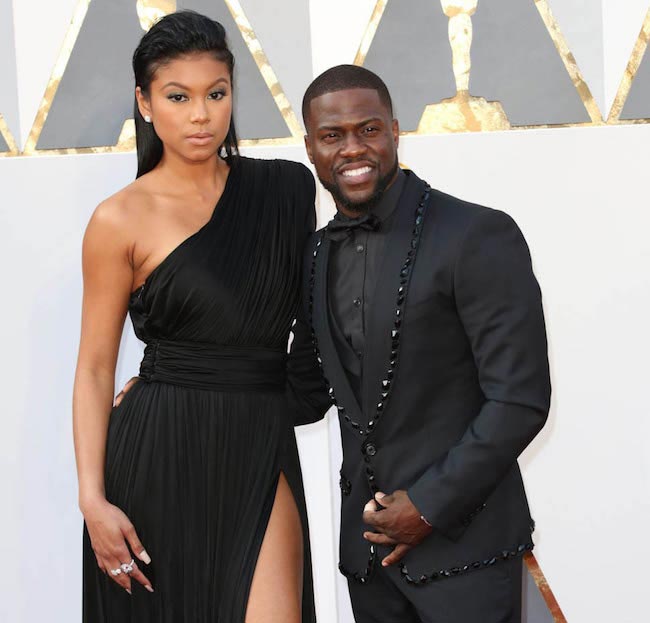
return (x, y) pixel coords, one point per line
(369, 449)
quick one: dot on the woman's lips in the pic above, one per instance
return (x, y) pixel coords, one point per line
(201, 138)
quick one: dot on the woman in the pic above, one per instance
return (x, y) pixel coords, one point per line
(190, 488)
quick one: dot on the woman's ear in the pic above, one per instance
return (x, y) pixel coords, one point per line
(143, 103)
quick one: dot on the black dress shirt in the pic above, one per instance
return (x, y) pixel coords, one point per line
(353, 268)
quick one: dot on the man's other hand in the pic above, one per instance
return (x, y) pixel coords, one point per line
(398, 524)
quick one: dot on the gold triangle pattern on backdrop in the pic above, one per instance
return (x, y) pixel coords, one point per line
(148, 12)
(6, 134)
(533, 568)
(464, 112)
(638, 52)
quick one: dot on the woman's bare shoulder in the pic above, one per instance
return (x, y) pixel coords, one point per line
(123, 211)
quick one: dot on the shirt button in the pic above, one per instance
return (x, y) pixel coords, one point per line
(360, 248)
(369, 449)
(357, 302)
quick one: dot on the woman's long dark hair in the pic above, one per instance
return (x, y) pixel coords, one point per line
(177, 34)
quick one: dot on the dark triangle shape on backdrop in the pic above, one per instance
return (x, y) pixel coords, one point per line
(411, 53)
(533, 606)
(3, 145)
(514, 61)
(637, 105)
(256, 113)
(95, 95)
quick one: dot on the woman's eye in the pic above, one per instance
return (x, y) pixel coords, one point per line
(176, 97)
(217, 95)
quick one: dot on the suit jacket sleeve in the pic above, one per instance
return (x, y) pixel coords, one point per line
(499, 304)
(306, 392)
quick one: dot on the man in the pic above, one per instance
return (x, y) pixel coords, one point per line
(427, 322)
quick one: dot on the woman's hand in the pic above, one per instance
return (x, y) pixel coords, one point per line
(125, 390)
(111, 535)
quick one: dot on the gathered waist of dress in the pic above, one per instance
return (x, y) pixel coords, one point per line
(216, 367)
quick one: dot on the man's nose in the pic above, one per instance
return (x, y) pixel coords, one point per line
(353, 146)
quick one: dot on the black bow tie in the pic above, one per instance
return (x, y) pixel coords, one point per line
(339, 229)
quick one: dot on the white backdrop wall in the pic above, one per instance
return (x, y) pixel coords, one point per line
(580, 196)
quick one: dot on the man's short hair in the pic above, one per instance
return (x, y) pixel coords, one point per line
(343, 77)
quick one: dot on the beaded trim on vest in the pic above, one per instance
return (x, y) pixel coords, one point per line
(405, 278)
(405, 274)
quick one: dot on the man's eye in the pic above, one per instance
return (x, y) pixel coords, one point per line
(370, 129)
(330, 136)
(176, 97)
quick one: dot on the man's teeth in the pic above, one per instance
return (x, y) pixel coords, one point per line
(356, 172)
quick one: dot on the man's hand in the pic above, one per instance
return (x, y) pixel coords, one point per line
(397, 524)
(129, 384)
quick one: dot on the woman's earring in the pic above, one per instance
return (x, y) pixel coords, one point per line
(147, 118)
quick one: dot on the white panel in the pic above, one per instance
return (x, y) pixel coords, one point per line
(585, 219)
(313, 443)
(41, 226)
(337, 27)
(579, 196)
(46, 204)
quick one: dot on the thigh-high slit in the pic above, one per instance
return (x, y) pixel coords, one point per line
(197, 473)
(279, 566)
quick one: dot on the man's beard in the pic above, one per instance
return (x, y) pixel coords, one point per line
(362, 206)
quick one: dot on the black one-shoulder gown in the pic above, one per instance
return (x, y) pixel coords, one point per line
(195, 449)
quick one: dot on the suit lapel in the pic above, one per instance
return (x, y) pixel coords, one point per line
(333, 370)
(381, 349)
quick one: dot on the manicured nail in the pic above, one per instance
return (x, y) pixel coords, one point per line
(128, 590)
(144, 557)
(148, 588)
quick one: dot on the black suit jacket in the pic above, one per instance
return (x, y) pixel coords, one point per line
(455, 383)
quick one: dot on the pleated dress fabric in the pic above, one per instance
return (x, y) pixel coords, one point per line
(195, 449)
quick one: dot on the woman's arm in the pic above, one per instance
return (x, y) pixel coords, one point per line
(108, 279)
(107, 276)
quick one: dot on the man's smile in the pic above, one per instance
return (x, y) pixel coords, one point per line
(356, 172)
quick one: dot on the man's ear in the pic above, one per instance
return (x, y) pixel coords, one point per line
(396, 132)
(143, 102)
(308, 148)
